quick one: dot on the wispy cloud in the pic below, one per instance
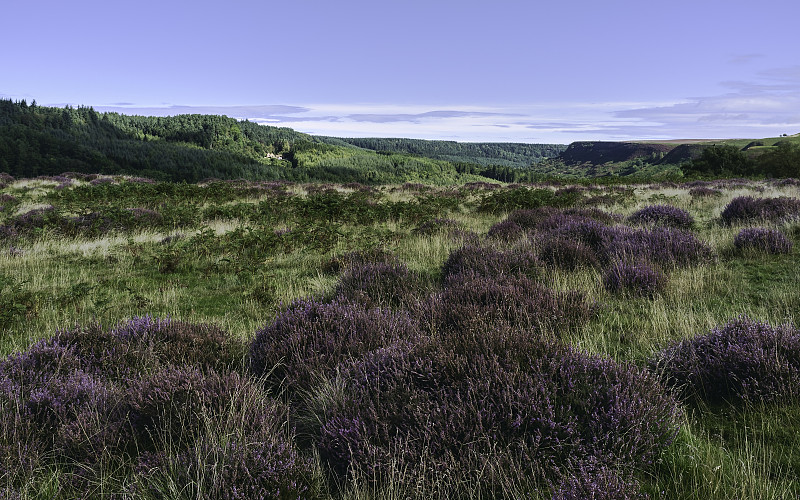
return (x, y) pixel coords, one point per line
(741, 59)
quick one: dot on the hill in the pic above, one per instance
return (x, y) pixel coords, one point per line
(38, 140)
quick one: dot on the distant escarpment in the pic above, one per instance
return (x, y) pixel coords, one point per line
(600, 152)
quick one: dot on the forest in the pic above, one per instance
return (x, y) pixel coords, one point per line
(37, 140)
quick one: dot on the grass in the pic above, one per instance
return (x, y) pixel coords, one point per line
(236, 273)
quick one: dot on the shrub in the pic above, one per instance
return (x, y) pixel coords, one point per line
(506, 230)
(662, 215)
(761, 239)
(435, 226)
(180, 343)
(380, 285)
(166, 406)
(661, 245)
(513, 198)
(742, 360)
(598, 482)
(311, 338)
(450, 405)
(567, 254)
(484, 261)
(243, 453)
(637, 279)
(749, 209)
(339, 263)
(704, 192)
(476, 302)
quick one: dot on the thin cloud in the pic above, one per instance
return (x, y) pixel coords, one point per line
(741, 59)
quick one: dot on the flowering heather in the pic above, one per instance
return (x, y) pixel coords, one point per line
(450, 404)
(483, 261)
(311, 338)
(436, 226)
(704, 192)
(246, 454)
(471, 302)
(660, 245)
(638, 279)
(339, 263)
(598, 482)
(760, 239)
(380, 285)
(177, 342)
(567, 254)
(477, 186)
(748, 209)
(742, 360)
(506, 231)
(787, 182)
(662, 215)
(99, 181)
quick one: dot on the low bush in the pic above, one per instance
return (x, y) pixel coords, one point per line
(567, 254)
(704, 192)
(485, 261)
(475, 302)
(759, 239)
(663, 246)
(311, 338)
(380, 285)
(454, 405)
(748, 209)
(637, 279)
(742, 360)
(598, 482)
(662, 215)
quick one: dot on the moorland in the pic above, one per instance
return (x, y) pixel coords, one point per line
(324, 320)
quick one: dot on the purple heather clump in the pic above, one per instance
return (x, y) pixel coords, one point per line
(742, 360)
(568, 254)
(506, 231)
(169, 341)
(483, 261)
(662, 215)
(478, 186)
(7, 199)
(759, 239)
(339, 263)
(747, 209)
(380, 285)
(704, 192)
(99, 181)
(450, 404)
(312, 337)
(592, 481)
(787, 182)
(436, 226)
(638, 279)
(256, 458)
(471, 302)
(660, 245)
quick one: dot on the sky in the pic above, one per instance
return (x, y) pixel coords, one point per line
(502, 71)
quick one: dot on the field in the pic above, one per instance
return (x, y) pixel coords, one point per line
(245, 339)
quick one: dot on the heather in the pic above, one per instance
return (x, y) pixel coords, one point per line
(759, 239)
(248, 339)
(743, 360)
(637, 279)
(310, 338)
(661, 215)
(449, 406)
(744, 209)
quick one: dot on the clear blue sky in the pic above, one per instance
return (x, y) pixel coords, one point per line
(498, 71)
